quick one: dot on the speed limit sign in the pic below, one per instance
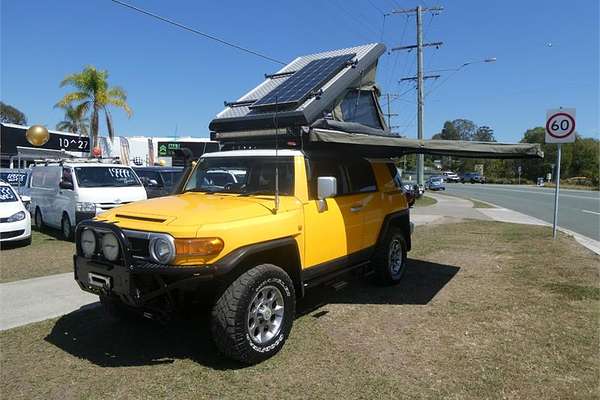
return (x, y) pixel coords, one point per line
(560, 125)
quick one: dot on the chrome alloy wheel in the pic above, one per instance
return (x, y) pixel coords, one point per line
(265, 315)
(395, 257)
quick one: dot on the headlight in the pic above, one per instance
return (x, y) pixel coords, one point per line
(16, 217)
(199, 247)
(110, 247)
(85, 206)
(88, 243)
(162, 249)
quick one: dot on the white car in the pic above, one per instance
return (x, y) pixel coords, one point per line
(64, 194)
(450, 176)
(15, 221)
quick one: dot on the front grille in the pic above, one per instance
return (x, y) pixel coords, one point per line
(108, 206)
(11, 234)
(139, 247)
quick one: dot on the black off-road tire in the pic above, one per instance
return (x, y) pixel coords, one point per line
(385, 273)
(230, 314)
(64, 221)
(115, 310)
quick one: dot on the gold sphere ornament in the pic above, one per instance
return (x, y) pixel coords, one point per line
(37, 135)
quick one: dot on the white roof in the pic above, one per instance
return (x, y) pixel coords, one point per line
(81, 164)
(254, 153)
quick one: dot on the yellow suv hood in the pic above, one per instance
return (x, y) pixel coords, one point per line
(189, 210)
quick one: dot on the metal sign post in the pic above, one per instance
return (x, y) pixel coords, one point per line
(560, 128)
(556, 191)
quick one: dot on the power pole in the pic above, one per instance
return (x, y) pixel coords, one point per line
(419, 78)
(389, 113)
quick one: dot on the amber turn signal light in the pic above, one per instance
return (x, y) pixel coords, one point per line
(198, 247)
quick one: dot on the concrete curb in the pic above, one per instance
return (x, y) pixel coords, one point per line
(37, 299)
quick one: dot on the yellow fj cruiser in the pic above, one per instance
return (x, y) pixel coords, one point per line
(252, 227)
(228, 236)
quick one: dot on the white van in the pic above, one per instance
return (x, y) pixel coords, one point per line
(63, 194)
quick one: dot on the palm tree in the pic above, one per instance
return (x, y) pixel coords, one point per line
(75, 121)
(94, 95)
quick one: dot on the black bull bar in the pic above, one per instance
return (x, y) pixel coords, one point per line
(123, 277)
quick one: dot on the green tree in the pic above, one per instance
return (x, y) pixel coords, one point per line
(484, 134)
(466, 129)
(94, 95)
(75, 121)
(11, 115)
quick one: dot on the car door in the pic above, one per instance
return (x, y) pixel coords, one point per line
(65, 198)
(368, 196)
(333, 232)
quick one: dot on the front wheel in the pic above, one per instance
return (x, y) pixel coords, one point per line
(389, 262)
(254, 316)
(39, 220)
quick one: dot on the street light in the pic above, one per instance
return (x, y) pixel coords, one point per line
(485, 60)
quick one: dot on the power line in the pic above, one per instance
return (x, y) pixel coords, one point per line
(197, 32)
(361, 21)
(375, 7)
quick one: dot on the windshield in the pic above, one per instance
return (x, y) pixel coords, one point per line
(105, 177)
(242, 175)
(7, 194)
(436, 179)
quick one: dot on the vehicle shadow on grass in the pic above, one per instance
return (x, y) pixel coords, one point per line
(89, 334)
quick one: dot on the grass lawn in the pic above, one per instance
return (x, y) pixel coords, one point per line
(425, 201)
(486, 310)
(47, 254)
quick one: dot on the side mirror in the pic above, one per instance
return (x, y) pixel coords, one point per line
(152, 182)
(65, 185)
(326, 187)
(25, 199)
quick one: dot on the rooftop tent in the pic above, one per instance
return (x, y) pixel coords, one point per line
(303, 91)
(330, 101)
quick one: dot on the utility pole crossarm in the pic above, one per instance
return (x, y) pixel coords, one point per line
(413, 78)
(435, 9)
(414, 46)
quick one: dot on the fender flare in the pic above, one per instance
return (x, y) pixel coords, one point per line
(401, 219)
(235, 263)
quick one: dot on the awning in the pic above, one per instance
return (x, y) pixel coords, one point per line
(393, 146)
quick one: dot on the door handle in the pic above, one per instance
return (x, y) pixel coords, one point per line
(356, 208)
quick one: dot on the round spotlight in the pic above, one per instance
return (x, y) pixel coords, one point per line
(162, 249)
(110, 247)
(88, 243)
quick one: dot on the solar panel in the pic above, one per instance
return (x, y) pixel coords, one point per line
(299, 86)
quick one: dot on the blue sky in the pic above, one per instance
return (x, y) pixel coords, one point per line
(174, 78)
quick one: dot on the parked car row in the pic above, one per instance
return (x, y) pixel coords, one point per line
(62, 194)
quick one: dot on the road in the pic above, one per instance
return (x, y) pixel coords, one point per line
(579, 210)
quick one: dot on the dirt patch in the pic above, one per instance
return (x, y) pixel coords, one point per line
(486, 310)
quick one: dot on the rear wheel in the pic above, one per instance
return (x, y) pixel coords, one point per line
(389, 261)
(66, 227)
(254, 316)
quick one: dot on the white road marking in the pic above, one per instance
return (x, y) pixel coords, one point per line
(535, 192)
(590, 212)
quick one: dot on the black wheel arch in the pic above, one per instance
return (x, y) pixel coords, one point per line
(281, 252)
(400, 220)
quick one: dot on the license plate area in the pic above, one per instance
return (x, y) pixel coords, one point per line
(99, 281)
